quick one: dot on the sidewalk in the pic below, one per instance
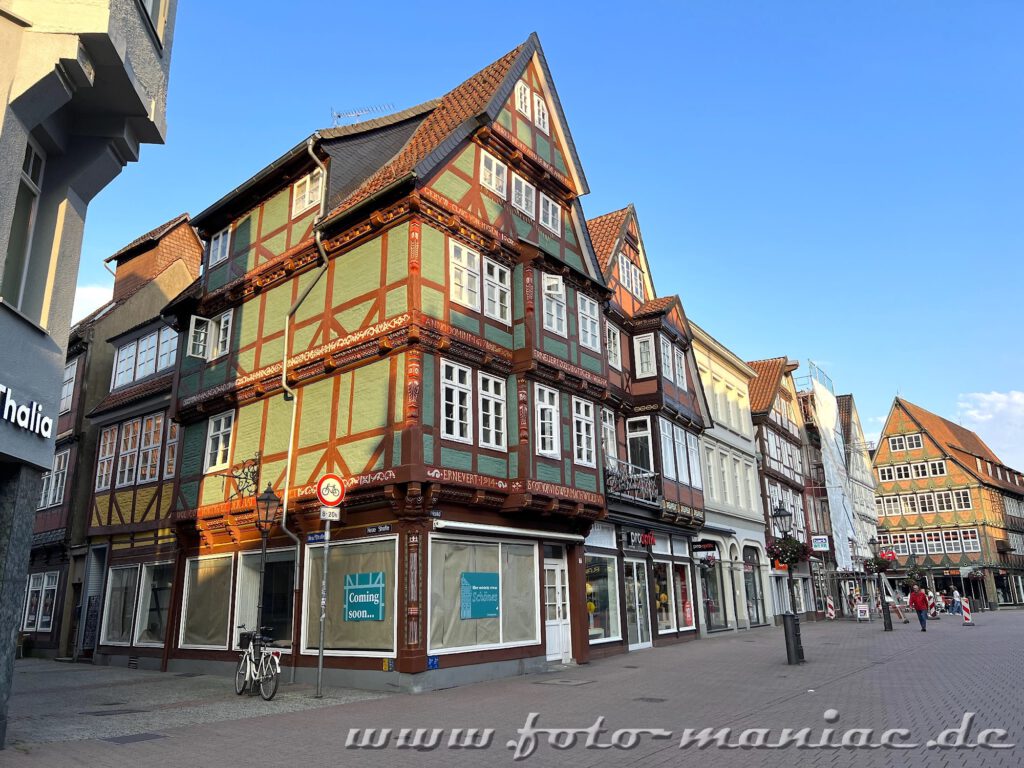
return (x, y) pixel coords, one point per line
(923, 682)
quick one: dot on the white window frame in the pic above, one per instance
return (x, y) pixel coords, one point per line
(959, 495)
(198, 338)
(914, 441)
(497, 290)
(609, 437)
(150, 442)
(668, 452)
(899, 544)
(969, 540)
(645, 432)
(902, 471)
(613, 594)
(167, 348)
(33, 183)
(680, 363)
(667, 359)
(494, 406)
(105, 458)
(222, 326)
(891, 506)
(693, 449)
(522, 98)
(67, 387)
(625, 273)
(460, 394)
(641, 371)
(124, 371)
(524, 196)
(137, 620)
(35, 584)
(933, 543)
(916, 542)
(584, 438)
(183, 612)
(548, 409)
(681, 450)
(944, 501)
(464, 275)
(940, 465)
(106, 606)
(493, 174)
(886, 474)
(210, 338)
(170, 460)
(540, 114)
(123, 479)
(52, 489)
(589, 316)
(908, 503)
(613, 341)
(926, 503)
(897, 443)
(951, 541)
(553, 290)
(145, 344)
(219, 248)
(919, 470)
(51, 582)
(550, 214)
(224, 438)
(306, 192)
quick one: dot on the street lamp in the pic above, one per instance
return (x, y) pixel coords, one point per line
(267, 504)
(783, 519)
(886, 617)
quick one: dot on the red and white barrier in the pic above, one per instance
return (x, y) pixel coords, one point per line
(830, 607)
(932, 610)
(965, 606)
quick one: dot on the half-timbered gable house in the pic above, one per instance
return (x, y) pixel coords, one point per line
(640, 557)
(411, 302)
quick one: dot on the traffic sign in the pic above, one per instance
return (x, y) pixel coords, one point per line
(330, 513)
(330, 490)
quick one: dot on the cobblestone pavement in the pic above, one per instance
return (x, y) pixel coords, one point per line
(922, 682)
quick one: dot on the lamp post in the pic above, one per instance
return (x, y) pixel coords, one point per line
(267, 504)
(783, 520)
(886, 617)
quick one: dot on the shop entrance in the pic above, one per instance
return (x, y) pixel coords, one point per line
(556, 604)
(638, 612)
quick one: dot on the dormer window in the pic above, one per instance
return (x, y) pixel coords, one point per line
(550, 214)
(523, 98)
(218, 250)
(540, 113)
(306, 192)
(210, 338)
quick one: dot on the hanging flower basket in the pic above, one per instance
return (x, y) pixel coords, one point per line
(788, 551)
(976, 575)
(707, 563)
(915, 575)
(876, 565)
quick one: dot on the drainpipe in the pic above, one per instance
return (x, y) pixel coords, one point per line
(289, 393)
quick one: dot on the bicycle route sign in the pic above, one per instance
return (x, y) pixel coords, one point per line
(330, 490)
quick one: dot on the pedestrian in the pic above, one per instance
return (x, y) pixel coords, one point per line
(919, 602)
(957, 607)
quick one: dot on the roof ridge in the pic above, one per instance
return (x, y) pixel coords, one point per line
(339, 131)
(154, 234)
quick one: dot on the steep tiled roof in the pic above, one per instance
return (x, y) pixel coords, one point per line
(655, 306)
(133, 394)
(463, 103)
(604, 234)
(845, 403)
(764, 388)
(961, 442)
(152, 236)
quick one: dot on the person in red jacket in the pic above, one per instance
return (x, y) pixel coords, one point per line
(919, 602)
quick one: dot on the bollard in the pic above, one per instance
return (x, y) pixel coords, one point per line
(965, 606)
(794, 648)
(830, 608)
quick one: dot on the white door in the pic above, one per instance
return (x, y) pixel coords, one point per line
(556, 610)
(638, 614)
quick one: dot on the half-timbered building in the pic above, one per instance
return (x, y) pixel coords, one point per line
(411, 302)
(641, 580)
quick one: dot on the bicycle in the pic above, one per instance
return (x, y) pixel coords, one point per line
(265, 673)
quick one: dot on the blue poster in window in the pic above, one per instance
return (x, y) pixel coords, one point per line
(364, 596)
(478, 596)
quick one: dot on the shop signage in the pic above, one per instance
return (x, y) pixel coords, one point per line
(704, 545)
(819, 543)
(478, 595)
(364, 596)
(634, 539)
(27, 416)
(862, 612)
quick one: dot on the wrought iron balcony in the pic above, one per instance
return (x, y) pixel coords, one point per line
(628, 481)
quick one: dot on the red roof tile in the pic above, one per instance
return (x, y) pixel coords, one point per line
(765, 387)
(605, 232)
(135, 393)
(152, 236)
(655, 306)
(464, 102)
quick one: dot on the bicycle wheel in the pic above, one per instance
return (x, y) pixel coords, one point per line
(240, 680)
(268, 679)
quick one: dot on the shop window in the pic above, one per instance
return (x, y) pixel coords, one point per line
(207, 600)
(278, 594)
(603, 599)
(360, 603)
(482, 595)
(752, 585)
(684, 597)
(664, 602)
(40, 599)
(154, 603)
(120, 606)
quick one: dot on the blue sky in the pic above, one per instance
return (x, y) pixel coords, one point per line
(832, 181)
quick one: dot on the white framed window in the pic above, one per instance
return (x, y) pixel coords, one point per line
(937, 468)
(902, 471)
(944, 501)
(464, 273)
(891, 505)
(279, 592)
(897, 443)
(614, 344)
(926, 502)
(129, 453)
(915, 541)
(145, 357)
(154, 604)
(693, 449)
(223, 340)
(951, 540)
(33, 597)
(493, 173)
(219, 249)
(497, 292)
(919, 470)
(553, 287)
(67, 387)
(603, 595)
(638, 442)
(933, 542)
(199, 337)
(666, 359)
(210, 338)
(548, 443)
(886, 474)
(680, 369)
(105, 458)
(218, 441)
(540, 113)
(638, 282)
(682, 469)
(149, 448)
(590, 322)
(168, 348)
(171, 451)
(625, 272)
(456, 402)
(668, 453)
(119, 611)
(52, 491)
(909, 504)
(962, 498)
(492, 412)
(523, 98)
(899, 544)
(609, 440)
(969, 537)
(524, 196)
(48, 602)
(206, 602)
(583, 442)
(913, 442)
(550, 214)
(306, 192)
(643, 356)
(124, 366)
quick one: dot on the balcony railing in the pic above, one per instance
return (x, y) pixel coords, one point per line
(628, 481)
